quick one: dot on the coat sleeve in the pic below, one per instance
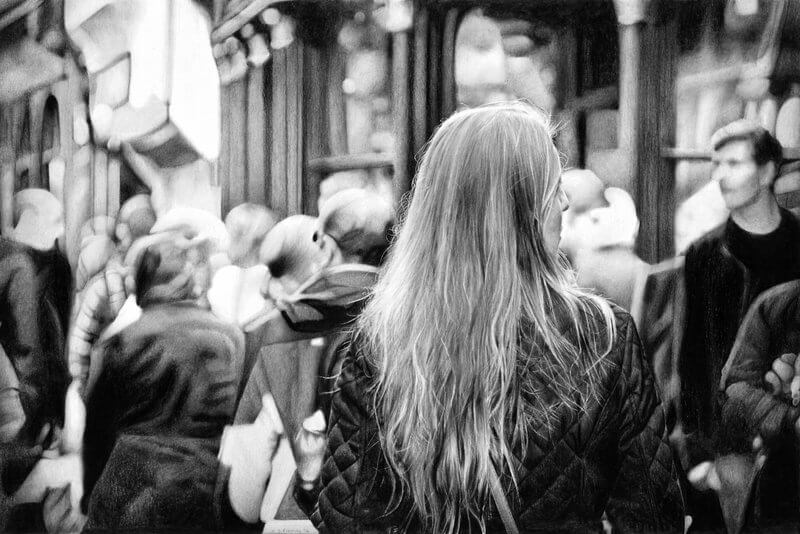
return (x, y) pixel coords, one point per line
(356, 482)
(646, 496)
(692, 366)
(100, 433)
(20, 302)
(749, 409)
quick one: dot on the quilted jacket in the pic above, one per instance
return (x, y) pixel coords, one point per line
(612, 457)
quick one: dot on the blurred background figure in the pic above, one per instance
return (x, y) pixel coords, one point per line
(321, 271)
(248, 225)
(101, 298)
(359, 223)
(35, 284)
(725, 270)
(599, 235)
(348, 180)
(165, 391)
(236, 292)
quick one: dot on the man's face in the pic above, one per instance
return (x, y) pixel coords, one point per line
(741, 180)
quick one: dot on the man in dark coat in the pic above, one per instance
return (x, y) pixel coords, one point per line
(757, 248)
(770, 330)
(157, 410)
(35, 287)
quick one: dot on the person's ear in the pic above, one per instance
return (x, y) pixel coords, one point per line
(768, 173)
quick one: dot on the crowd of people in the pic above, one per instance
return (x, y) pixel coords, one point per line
(498, 360)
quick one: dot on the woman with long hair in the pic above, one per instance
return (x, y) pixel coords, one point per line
(478, 359)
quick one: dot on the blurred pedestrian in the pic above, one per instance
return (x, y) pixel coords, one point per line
(163, 396)
(758, 247)
(599, 237)
(107, 285)
(35, 285)
(754, 408)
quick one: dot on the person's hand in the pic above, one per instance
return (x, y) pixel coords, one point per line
(310, 445)
(783, 379)
(705, 475)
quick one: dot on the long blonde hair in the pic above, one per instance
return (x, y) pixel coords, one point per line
(471, 303)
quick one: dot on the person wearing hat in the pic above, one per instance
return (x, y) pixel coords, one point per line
(757, 248)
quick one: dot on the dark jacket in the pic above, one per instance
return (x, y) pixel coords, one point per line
(33, 309)
(165, 392)
(771, 328)
(612, 457)
(658, 313)
(724, 272)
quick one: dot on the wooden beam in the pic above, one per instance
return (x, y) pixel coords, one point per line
(113, 189)
(294, 125)
(654, 117)
(448, 66)
(420, 80)
(6, 197)
(100, 182)
(76, 205)
(237, 149)
(331, 164)
(604, 97)
(235, 22)
(316, 117)
(36, 114)
(278, 169)
(401, 66)
(223, 162)
(337, 111)
(256, 135)
(789, 153)
(630, 74)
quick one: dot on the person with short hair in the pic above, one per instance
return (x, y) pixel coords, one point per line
(757, 248)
